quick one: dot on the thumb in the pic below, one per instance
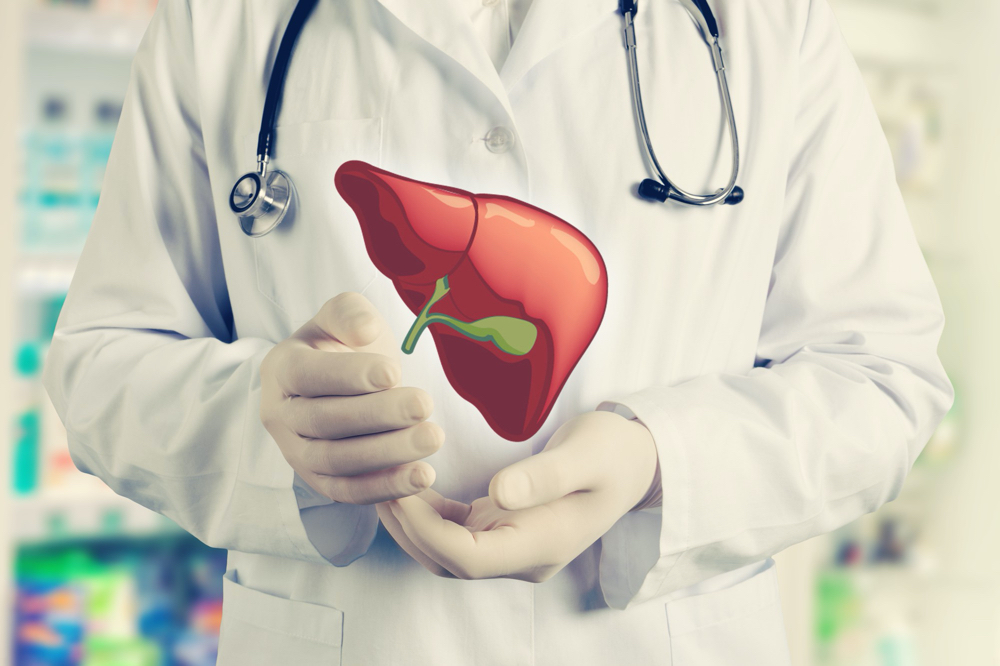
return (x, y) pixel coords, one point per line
(538, 480)
(351, 320)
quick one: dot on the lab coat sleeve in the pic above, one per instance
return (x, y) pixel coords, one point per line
(159, 397)
(846, 387)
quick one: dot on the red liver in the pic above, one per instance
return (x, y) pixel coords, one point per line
(502, 258)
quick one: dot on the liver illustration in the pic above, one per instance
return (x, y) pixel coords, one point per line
(511, 294)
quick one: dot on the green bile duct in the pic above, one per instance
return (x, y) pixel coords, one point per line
(509, 334)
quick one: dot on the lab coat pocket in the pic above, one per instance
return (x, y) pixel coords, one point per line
(741, 624)
(258, 628)
(318, 251)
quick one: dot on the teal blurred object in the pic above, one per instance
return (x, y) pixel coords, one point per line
(51, 307)
(26, 444)
(27, 424)
(28, 359)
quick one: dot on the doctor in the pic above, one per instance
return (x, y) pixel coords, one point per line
(764, 372)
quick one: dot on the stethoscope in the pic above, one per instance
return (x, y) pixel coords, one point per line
(665, 188)
(262, 198)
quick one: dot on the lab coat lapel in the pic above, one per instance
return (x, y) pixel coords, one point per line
(446, 26)
(547, 26)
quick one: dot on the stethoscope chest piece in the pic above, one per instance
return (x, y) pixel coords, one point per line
(261, 202)
(261, 199)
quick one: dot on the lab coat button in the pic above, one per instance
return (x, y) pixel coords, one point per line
(499, 139)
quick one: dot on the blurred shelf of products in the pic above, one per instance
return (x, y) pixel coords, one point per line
(875, 583)
(876, 575)
(96, 579)
(114, 603)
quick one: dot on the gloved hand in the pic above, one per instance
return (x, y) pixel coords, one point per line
(328, 400)
(541, 512)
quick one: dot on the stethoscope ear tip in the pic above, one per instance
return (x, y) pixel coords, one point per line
(653, 190)
(735, 197)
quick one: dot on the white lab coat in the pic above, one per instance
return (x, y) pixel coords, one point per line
(782, 352)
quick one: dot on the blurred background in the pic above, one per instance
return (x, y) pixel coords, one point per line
(87, 577)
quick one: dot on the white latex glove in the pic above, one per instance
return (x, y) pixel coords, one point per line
(541, 512)
(327, 399)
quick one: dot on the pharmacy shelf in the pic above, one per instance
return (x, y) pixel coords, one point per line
(84, 514)
(11, 82)
(78, 29)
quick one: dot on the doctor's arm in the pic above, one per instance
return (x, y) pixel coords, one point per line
(163, 400)
(847, 386)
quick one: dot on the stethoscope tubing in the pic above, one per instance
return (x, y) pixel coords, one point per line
(276, 83)
(675, 192)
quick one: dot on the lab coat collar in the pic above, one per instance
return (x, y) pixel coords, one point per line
(548, 24)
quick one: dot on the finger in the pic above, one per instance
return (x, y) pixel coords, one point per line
(424, 538)
(541, 479)
(374, 487)
(305, 371)
(393, 527)
(348, 318)
(449, 509)
(368, 453)
(468, 555)
(348, 416)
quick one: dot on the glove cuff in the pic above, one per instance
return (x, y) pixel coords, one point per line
(654, 496)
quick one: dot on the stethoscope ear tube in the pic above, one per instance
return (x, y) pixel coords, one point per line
(628, 7)
(703, 16)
